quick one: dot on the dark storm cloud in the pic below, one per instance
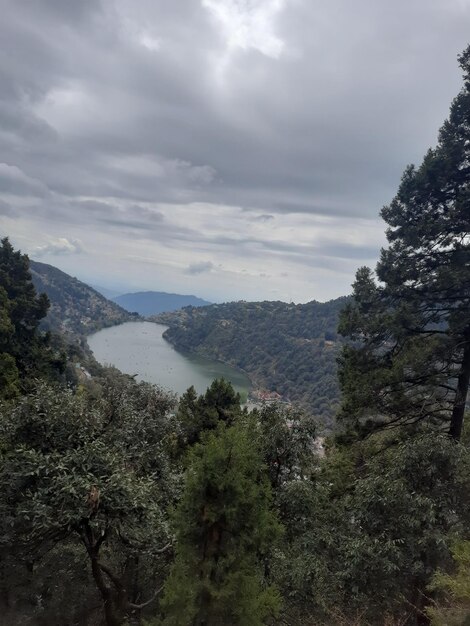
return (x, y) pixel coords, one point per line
(109, 107)
(162, 101)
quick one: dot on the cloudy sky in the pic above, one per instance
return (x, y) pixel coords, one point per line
(234, 149)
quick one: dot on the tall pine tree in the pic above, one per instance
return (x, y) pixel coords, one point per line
(411, 356)
(224, 525)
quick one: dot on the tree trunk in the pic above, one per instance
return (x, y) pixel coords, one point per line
(463, 381)
(112, 615)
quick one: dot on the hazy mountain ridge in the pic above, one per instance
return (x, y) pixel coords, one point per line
(287, 348)
(104, 291)
(155, 302)
(76, 308)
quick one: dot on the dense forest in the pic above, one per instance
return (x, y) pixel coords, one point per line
(287, 348)
(119, 505)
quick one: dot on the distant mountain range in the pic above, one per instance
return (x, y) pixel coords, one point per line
(154, 302)
(76, 309)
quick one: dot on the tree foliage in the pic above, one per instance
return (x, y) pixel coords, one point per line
(90, 473)
(25, 353)
(453, 609)
(224, 525)
(411, 359)
(367, 533)
(198, 414)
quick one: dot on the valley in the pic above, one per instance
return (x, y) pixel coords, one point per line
(139, 348)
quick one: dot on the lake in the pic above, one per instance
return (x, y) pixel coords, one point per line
(139, 348)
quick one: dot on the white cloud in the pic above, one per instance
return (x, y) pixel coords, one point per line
(249, 24)
(58, 247)
(66, 107)
(148, 41)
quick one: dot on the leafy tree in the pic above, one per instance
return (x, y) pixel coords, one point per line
(287, 441)
(411, 361)
(92, 474)
(365, 534)
(224, 524)
(399, 521)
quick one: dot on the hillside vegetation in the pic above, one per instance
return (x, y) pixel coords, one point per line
(75, 308)
(287, 348)
(118, 506)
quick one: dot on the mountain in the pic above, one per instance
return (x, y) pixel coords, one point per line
(154, 302)
(76, 309)
(285, 348)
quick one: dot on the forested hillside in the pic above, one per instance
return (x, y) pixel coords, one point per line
(75, 308)
(287, 348)
(223, 517)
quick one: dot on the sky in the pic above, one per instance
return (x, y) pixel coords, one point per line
(231, 149)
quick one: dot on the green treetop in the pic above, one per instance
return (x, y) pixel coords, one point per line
(197, 414)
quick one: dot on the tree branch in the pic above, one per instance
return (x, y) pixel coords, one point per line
(144, 604)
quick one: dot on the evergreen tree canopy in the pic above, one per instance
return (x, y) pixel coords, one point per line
(224, 524)
(197, 414)
(411, 359)
(24, 351)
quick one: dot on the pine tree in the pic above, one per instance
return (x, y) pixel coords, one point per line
(198, 414)
(224, 524)
(411, 359)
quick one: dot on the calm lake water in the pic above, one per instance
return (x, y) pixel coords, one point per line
(139, 348)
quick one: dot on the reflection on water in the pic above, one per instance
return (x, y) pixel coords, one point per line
(139, 348)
